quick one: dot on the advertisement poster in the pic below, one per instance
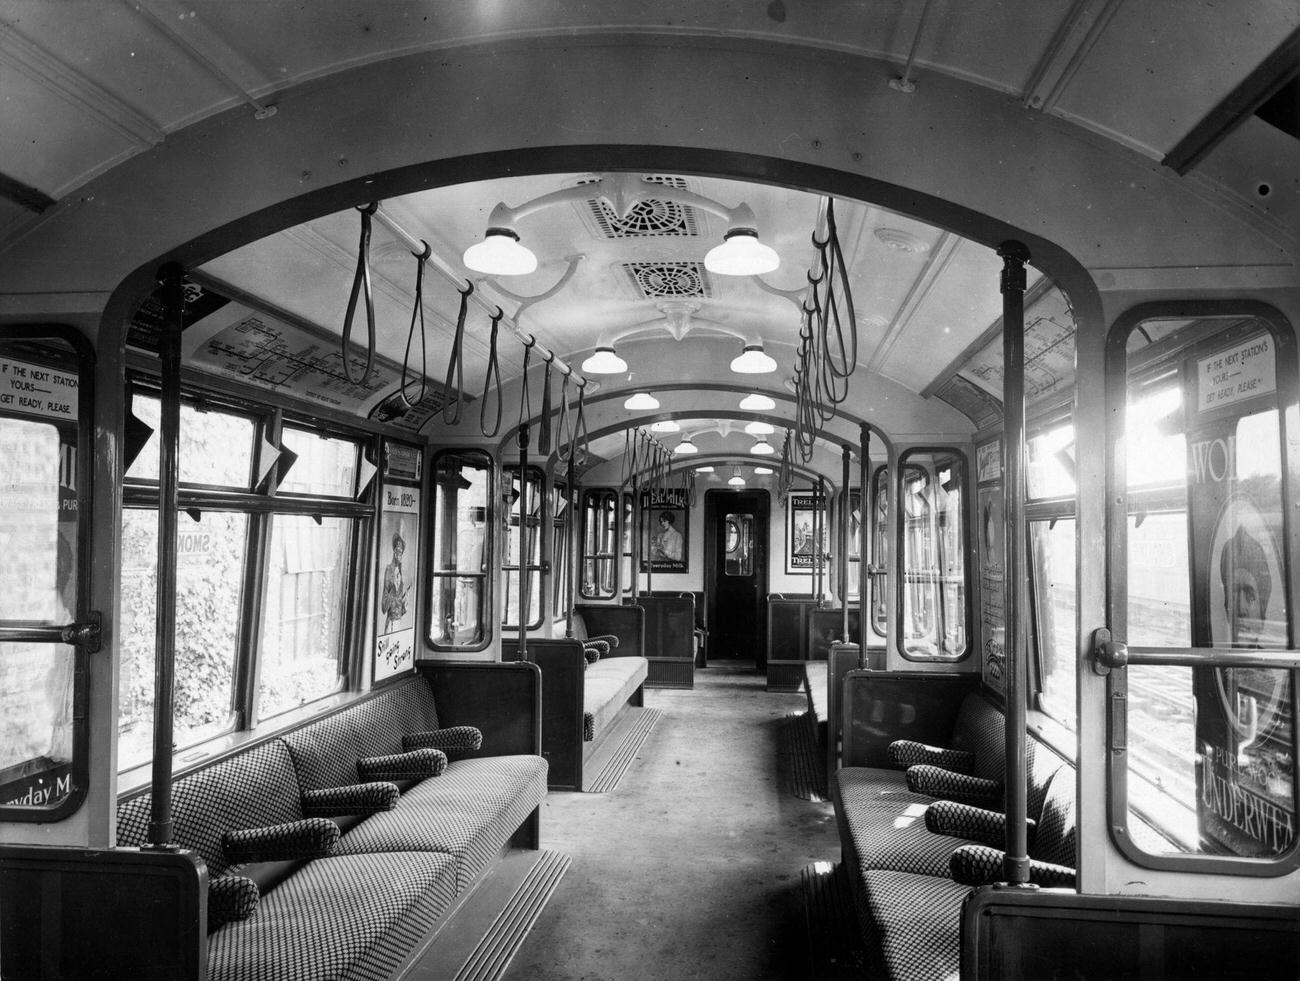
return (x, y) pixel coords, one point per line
(1245, 772)
(800, 549)
(992, 559)
(399, 571)
(988, 462)
(665, 530)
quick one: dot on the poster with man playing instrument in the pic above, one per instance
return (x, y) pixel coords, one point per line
(399, 571)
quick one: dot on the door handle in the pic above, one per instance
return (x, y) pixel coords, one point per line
(1107, 653)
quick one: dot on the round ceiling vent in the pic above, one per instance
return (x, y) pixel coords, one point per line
(901, 241)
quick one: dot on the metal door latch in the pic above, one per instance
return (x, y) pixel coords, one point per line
(1107, 653)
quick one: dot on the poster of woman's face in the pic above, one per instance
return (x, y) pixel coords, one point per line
(664, 533)
(1246, 607)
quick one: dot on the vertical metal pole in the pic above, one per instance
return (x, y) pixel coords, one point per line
(636, 538)
(819, 532)
(864, 535)
(164, 682)
(844, 544)
(525, 542)
(571, 544)
(1014, 256)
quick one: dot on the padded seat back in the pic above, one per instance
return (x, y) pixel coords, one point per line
(981, 729)
(1041, 765)
(253, 789)
(1056, 840)
(325, 751)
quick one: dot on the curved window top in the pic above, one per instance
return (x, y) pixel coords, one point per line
(460, 587)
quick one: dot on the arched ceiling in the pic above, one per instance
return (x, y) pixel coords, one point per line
(145, 129)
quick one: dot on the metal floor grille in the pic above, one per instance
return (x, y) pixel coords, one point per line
(610, 770)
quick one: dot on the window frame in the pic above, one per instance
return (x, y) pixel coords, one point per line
(487, 576)
(534, 474)
(900, 531)
(1119, 507)
(261, 501)
(599, 495)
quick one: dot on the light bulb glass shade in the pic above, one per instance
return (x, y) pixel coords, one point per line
(500, 254)
(741, 254)
(665, 426)
(762, 448)
(752, 361)
(704, 470)
(604, 362)
(641, 400)
(763, 471)
(760, 429)
(686, 446)
(736, 481)
(757, 403)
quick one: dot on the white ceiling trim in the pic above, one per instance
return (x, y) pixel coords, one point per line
(937, 261)
(1067, 51)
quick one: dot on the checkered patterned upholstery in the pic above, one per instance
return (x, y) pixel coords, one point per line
(979, 865)
(308, 838)
(257, 788)
(359, 798)
(449, 740)
(469, 812)
(946, 785)
(415, 764)
(981, 730)
(886, 829)
(945, 817)
(231, 897)
(906, 752)
(916, 920)
(594, 650)
(609, 683)
(351, 917)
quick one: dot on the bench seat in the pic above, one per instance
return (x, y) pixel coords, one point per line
(469, 812)
(609, 684)
(346, 917)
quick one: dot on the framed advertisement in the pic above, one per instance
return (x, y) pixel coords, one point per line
(399, 571)
(800, 552)
(665, 531)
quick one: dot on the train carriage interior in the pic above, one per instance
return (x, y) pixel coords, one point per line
(762, 489)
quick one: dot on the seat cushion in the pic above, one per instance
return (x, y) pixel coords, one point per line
(469, 812)
(917, 922)
(609, 683)
(886, 827)
(337, 919)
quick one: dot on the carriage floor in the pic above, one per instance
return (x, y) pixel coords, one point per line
(694, 865)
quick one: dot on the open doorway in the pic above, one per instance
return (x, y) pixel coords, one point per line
(735, 574)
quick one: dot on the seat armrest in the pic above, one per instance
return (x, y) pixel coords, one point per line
(357, 798)
(957, 820)
(452, 739)
(231, 897)
(946, 785)
(416, 764)
(313, 837)
(907, 752)
(979, 865)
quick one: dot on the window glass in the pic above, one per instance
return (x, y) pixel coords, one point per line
(934, 563)
(209, 572)
(854, 545)
(325, 467)
(559, 549)
(599, 537)
(458, 605)
(740, 545)
(1051, 552)
(626, 535)
(1210, 761)
(529, 502)
(216, 447)
(38, 533)
(878, 567)
(303, 617)
(1050, 462)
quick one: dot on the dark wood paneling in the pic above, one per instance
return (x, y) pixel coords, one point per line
(627, 623)
(881, 707)
(563, 669)
(503, 700)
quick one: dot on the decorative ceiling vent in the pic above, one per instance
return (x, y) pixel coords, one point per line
(649, 217)
(669, 280)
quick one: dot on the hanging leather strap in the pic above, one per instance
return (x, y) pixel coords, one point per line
(544, 427)
(525, 398)
(456, 363)
(417, 311)
(361, 281)
(564, 428)
(492, 383)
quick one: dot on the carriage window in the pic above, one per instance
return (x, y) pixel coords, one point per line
(210, 558)
(740, 545)
(598, 541)
(529, 503)
(933, 587)
(44, 434)
(878, 564)
(1209, 760)
(324, 467)
(219, 445)
(854, 546)
(302, 616)
(1051, 567)
(459, 594)
(625, 534)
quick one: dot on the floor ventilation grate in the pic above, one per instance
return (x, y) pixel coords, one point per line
(607, 778)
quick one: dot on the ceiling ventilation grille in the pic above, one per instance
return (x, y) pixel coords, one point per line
(649, 216)
(668, 280)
